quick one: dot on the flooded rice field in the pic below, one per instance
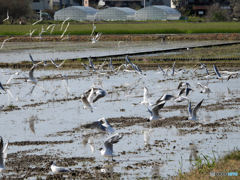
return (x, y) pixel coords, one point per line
(19, 51)
(48, 122)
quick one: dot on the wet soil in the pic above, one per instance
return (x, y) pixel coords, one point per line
(133, 37)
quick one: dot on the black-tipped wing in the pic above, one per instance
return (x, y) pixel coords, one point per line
(216, 71)
(100, 94)
(112, 140)
(188, 90)
(159, 106)
(32, 59)
(197, 108)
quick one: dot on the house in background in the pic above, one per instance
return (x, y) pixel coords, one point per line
(38, 5)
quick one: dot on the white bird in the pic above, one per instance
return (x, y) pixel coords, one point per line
(154, 113)
(93, 29)
(91, 65)
(5, 40)
(57, 65)
(181, 99)
(90, 96)
(193, 112)
(1, 86)
(65, 30)
(204, 89)
(38, 21)
(108, 145)
(7, 18)
(57, 169)
(64, 22)
(3, 154)
(183, 85)
(110, 65)
(185, 90)
(86, 103)
(105, 126)
(41, 32)
(96, 38)
(173, 68)
(31, 32)
(50, 26)
(40, 18)
(164, 97)
(145, 100)
(100, 93)
(32, 79)
(134, 66)
(219, 76)
(161, 69)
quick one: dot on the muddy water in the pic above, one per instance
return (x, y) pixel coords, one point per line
(48, 124)
(19, 51)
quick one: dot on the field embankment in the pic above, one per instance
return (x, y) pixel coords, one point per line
(225, 168)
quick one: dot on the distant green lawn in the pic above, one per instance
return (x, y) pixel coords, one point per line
(128, 28)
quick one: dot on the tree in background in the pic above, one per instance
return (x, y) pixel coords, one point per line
(235, 8)
(16, 9)
(216, 13)
(182, 6)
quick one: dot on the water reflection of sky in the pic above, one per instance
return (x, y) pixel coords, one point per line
(169, 148)
(19, 51)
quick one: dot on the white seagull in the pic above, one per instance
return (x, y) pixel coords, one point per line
(31, 32)
(204, 89)
(154, 113)
(65, 30)
(57, 169)
(90, 95)
(5, 40)
(193, 112)
(100, 93)
(101, 124)
(57, 65)
(32, 79)
(64, 23)
(86, 103)
(96, 38)
(164, 97)
(105, 126)
(38, 21)
(219, 76)
(108, 145)
(7, 18)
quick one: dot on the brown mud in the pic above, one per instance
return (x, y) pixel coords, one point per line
(132, 37)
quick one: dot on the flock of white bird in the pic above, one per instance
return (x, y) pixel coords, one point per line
(95, 94)
(94, 36)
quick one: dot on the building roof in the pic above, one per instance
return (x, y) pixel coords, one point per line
(124, 9)
(87, 10)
